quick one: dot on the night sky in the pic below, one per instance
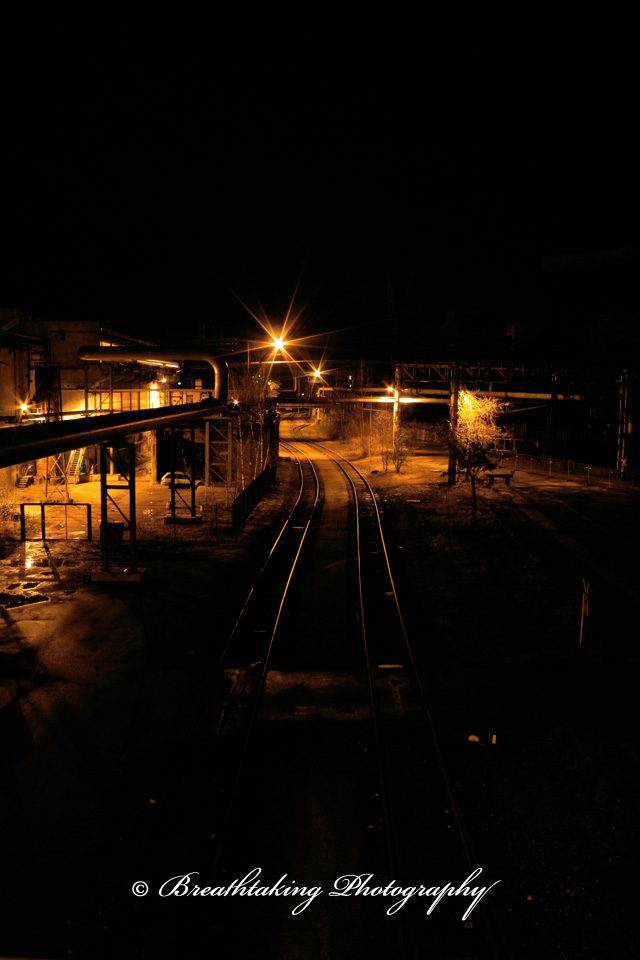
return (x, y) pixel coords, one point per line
(153, 183)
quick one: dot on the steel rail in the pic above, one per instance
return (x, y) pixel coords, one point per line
(496, 933)
(174, 769)
(391, 838)
(223, 833)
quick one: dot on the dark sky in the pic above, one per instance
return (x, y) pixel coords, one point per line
(145, 183)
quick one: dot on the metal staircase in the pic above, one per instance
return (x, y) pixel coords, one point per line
(74, 464)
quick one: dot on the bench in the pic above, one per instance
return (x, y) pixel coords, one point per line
(506, 476)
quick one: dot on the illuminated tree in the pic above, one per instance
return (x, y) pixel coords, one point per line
(476, 435)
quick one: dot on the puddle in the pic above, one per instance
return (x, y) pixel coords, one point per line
(20, 599)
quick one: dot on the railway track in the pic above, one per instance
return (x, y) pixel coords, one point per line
(423, 821)
(353, 740)
(192, 804)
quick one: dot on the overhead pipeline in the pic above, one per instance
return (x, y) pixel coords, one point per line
(35, 440)
(161, 355)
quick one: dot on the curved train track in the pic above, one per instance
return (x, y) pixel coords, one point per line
(409, 757)
(194, 796)
(402, 808)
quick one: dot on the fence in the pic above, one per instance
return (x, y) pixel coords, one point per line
(569, 470)
(250, 497)
(55, 521)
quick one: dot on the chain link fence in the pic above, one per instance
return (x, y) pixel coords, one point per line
(569, 470)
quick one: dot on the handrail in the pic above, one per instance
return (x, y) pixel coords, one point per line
(32, 441)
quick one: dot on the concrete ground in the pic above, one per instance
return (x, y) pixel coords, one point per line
(103, 673)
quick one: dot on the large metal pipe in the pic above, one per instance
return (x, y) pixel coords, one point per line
(37, 440)
(161, 355)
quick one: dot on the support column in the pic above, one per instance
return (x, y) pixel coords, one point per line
(207, 455)
(132, 505)
(104, 539)
(229, 458)
(623, 425)
(133, 574)
(172, 502)
(192, 471)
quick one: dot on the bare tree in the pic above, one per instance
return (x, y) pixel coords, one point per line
(400, 455)
(250, 392)
(382, 429)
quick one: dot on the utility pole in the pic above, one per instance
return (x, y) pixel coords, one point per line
(553, 412)
(396, 406)
(393, 317)
(453, 419)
